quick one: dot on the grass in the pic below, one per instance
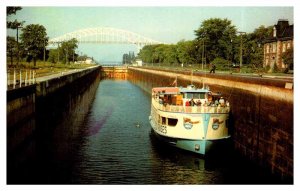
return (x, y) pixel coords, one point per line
(220, 69)
(41, 69)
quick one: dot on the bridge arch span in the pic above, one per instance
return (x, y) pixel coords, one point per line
(106, 35)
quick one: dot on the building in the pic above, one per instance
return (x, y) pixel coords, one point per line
(87, 60)
(137, 62)
(281, 40)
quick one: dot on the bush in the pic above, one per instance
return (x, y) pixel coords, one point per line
(222, 64)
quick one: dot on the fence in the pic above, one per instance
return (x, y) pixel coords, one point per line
(17, 78)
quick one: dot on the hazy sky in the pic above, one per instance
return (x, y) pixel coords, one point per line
(166, 24)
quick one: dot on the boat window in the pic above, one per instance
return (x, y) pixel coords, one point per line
(195, 95)
(188, 95)
(172, 122)
(163, 120)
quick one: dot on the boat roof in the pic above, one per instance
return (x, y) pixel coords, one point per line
(177, 90)
(166, 90)
(189, 90)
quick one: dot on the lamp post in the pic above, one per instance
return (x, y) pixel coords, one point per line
(241, 48)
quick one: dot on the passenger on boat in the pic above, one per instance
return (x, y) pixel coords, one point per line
(216, 102)
(227, 103)
(198, 103)
(192, 102)
(222, 102)
(187, 103)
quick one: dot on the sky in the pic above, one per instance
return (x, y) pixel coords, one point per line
(162, 23)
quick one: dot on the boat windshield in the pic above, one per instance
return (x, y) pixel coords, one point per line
(194, 95)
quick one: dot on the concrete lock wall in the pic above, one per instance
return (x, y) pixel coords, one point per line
(20, 115)
(24, 104)
(262, 113)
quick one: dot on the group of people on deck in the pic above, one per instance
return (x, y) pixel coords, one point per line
(221, 102)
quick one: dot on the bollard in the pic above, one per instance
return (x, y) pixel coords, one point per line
(33, 76)
(30, 80)
(14, 79)
(8, 78)
(26, 78)
(20, 78)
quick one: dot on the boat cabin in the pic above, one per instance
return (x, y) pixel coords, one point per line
(180, 96)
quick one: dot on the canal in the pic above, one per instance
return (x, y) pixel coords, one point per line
(102, 136)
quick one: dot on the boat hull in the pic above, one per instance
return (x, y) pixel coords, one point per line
(201, 146)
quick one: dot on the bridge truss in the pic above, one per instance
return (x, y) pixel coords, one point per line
(105, 35)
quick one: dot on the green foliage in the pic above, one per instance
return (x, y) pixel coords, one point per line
(67, 49)
(221, 63)
(288, 58)
(11, 47)
(146, 53)
(186, 52)
(218, 35)
(13, 24)
(216, 42)
(12, 10)
(53, 56)
(34, 39)
(128, 58)
(253, 46)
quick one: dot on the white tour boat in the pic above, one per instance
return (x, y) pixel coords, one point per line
(189, 118)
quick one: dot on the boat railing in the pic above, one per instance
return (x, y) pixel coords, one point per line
(191, 109)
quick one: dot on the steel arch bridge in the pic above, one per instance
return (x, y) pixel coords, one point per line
(105, 35)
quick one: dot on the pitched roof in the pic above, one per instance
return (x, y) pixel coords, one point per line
(284, 31)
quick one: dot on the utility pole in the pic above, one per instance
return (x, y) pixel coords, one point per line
(202, 54)
(44, 51)
(57, 52)
(18, 27)
(241, 48)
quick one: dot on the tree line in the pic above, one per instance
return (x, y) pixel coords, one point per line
(31, 44)
(217, 41)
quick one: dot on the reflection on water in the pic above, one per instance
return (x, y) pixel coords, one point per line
(110, 142)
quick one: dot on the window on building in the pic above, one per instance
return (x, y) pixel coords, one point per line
(274, 48)
(283, 47)
(267, 48)
(288, 45)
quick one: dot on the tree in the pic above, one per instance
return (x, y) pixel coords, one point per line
(53, 55)
(288, 59)
(11, 47)
(12, 11)
(147, 53)
(128, 58)
(170, 53)
(68, 49)
(34, 39)
(186, 52)
(217, 35)
(14, 25)
(253, 48)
